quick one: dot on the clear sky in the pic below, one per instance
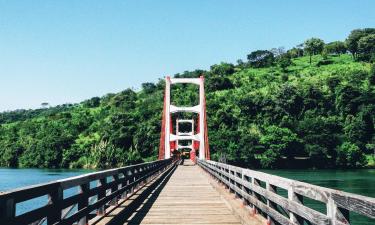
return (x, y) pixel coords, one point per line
(68, 51)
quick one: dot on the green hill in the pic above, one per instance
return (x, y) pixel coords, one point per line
(279, 112)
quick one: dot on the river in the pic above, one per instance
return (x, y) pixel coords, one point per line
(355, 181)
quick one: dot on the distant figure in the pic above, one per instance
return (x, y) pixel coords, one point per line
(182, 161)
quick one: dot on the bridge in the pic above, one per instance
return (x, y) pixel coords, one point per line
(172, 190)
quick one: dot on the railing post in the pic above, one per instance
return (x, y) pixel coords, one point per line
(129, 182)
(270, 204)
(243, 179)
(255, 182)
(84, 201)
(337, 214)
(7, 209)
(55, 199)
(102, 194)
(292, 196)
(134, 179)
(113, 189)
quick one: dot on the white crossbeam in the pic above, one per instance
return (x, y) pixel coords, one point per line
(194, 109)
(185, 81)
(174, 137)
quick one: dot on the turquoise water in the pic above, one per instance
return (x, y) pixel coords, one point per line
(354, 181)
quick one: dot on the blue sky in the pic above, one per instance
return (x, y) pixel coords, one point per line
(68, 51)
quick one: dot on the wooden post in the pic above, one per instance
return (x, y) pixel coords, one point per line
(84, 201)
(114, 201)
(270, 204)
(7, 209)
(133, 188)
(244, 180)
(255, 182)
(292, 196)
(55, 199)
(124, 195)
(337, 214)
(102, 194)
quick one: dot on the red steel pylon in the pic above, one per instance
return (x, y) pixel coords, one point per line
(199, 139)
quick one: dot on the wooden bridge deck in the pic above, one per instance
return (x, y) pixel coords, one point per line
(186, 197)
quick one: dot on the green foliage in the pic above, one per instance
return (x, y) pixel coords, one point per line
(284, 61)
(336, 47)
(295, 52)
(278, 142)
(372, 75)
(261, 58)
(366, 47)
(350, 155)
(313, 46)
(354, 37)
(273, 108)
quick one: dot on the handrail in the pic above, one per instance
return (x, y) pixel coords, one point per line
(112, 185)
(246, 184)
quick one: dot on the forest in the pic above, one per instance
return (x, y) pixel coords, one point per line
(309, 106)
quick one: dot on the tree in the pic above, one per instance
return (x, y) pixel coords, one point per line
(284, 61)
(218, 83)
(120, 129)
(320, 134)
(261, 58)
(295, 52)
(336, 47)
(350, 155)
(360, 129)
(223, 69)
(313, 46)
(125, 99)
(92, 102)
(318, 155)
(348, 99)
(148, 88)
(289, 100)
(372, 75)
(354, 37)
(366, 48)
(278, 142)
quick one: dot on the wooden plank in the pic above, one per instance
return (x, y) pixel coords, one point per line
(187, 198)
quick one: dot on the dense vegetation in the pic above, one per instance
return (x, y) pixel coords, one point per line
(314, 103)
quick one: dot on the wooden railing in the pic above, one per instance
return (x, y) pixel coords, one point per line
(260, 191)
(111, 186)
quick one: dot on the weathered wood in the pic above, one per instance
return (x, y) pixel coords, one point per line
(55, 199)
(83, 201)
(56, 204)
(338, 203)
(187, 197)
(292, 196)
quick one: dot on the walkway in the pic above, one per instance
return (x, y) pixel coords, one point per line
(186, 198)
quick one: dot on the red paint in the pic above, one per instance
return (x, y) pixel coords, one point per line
(207, 148)
(193, 156)
(162, 133)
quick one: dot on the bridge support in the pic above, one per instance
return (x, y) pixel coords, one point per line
(168, 140)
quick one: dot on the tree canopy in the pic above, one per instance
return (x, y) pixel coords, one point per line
(276, 110)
